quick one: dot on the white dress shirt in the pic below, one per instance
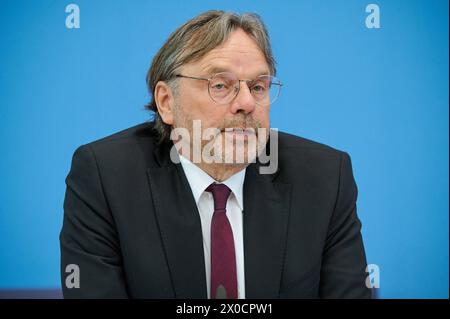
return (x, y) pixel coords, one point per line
(199, 181)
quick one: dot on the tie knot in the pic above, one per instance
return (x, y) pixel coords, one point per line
(220, 193)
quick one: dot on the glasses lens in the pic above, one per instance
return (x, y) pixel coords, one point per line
(223, 87)
(265, 89)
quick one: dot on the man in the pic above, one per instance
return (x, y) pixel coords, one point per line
(146, 219)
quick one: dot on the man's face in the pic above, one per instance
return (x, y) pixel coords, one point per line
(240, 55)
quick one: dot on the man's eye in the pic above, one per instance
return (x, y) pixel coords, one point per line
(258, 89)
(219, 86)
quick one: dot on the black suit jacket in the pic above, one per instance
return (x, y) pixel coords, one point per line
(132, 226)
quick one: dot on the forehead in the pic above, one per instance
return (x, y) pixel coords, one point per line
(239, 54)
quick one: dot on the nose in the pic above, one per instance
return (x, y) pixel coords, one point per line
(244, 101)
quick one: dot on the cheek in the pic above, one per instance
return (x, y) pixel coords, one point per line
(196, 104)
(211, 116)
(263, 116)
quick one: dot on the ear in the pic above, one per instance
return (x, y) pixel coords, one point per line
(165, 102)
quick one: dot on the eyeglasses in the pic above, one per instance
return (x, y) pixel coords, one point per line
(225, 86)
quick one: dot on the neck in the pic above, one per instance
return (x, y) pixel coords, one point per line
(221, 172)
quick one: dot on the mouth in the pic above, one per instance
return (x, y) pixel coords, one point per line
(239, 130)
(239, 133)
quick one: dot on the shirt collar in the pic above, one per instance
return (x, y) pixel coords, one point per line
(199, 180)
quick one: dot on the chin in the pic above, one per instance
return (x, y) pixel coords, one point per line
(230, 157)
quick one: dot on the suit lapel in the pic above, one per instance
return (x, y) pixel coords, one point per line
(180, 227)
(266, 214)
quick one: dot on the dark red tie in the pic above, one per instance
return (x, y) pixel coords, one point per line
(223, 258)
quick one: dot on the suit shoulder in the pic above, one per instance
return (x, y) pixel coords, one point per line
(304, 160)
(140, 131)
(132, 142)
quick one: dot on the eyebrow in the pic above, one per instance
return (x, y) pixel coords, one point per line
(210, 70)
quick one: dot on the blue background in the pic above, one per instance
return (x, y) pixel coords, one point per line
(379, 94)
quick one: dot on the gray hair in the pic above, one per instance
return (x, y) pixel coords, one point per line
(192, 41)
